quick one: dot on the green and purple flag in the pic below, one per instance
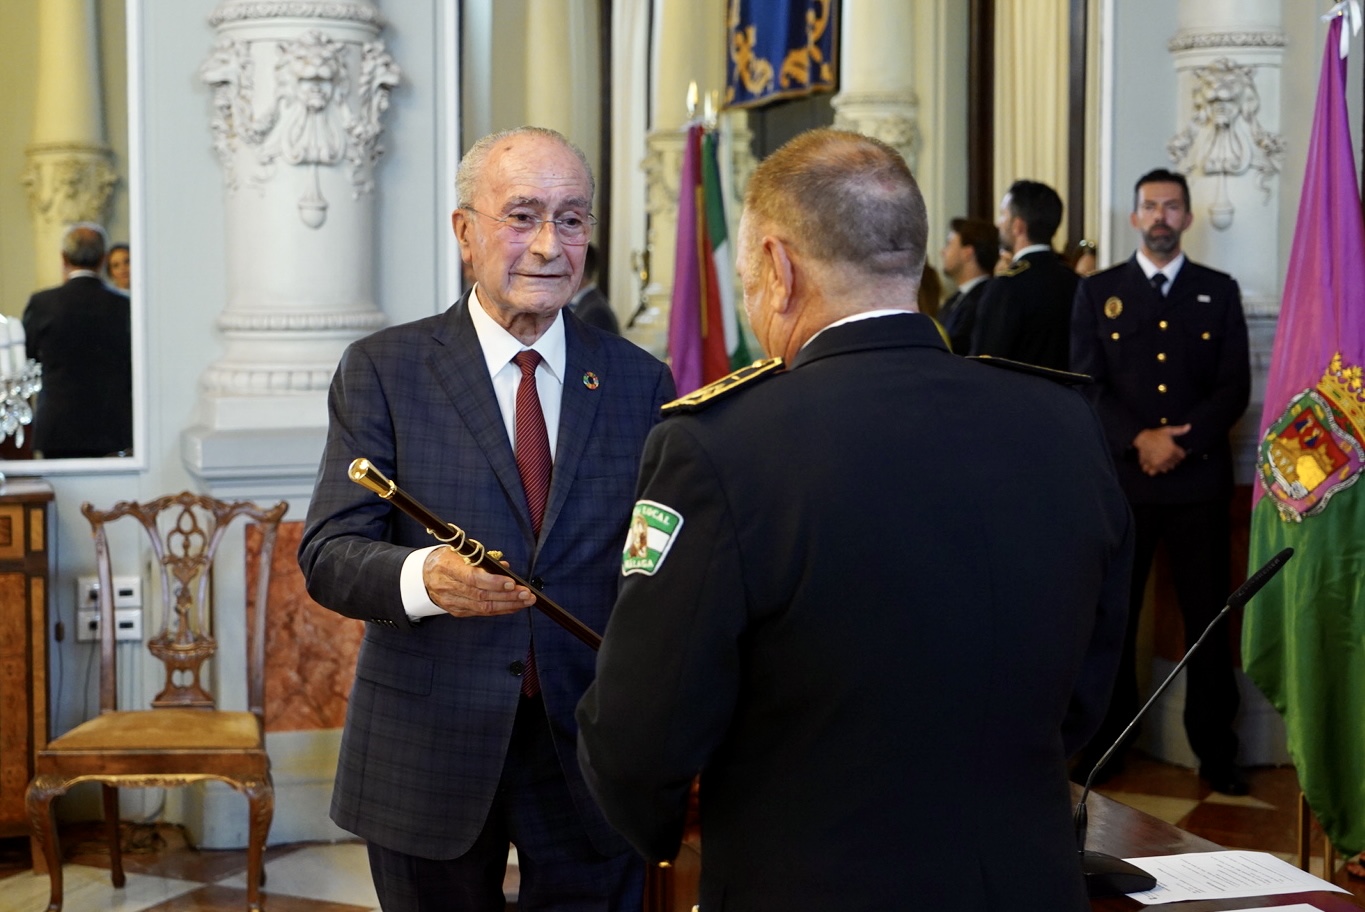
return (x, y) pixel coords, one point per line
(1304, 635)
(704, 340)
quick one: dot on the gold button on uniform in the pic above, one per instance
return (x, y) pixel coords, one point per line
(1114, 336)
(1161, 387)
(1161, 356)
(1204, 336)
(1163, 421)
(1163, 324)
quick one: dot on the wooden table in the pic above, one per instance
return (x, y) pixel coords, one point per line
(1114, 828)
(1124, 832)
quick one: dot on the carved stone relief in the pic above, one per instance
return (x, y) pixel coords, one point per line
(1224, 137)
(311, 121)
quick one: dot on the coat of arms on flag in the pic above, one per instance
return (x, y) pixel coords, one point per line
(1317, 445)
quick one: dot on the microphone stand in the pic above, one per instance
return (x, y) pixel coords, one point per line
(1106, 875)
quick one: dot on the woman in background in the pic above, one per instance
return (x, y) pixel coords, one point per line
(118, 268)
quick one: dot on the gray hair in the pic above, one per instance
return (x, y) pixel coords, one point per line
(470, 173)
(83, 245)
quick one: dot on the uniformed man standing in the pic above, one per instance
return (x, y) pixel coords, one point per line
(1166, 341)
(871, 721)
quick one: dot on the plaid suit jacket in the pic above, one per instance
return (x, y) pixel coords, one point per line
(432, 707)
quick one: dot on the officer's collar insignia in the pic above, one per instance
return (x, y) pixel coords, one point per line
(1317, 445)
(1016, 268)
(653, 530)
(1112, 308)
(726, 385)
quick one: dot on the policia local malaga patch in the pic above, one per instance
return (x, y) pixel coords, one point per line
(653, 529)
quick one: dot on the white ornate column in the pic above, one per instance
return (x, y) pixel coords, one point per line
(1228, 56)
(68, 172)
(876, 74)
(688, 47)
(299, 89)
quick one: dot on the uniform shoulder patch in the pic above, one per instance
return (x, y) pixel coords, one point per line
(1016, 268)
(1048, 373)
(745, 376)
(653, 529)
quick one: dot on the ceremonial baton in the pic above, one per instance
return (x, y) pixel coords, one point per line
(363, 473)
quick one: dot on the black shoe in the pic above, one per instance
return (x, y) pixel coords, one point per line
(1226, 781)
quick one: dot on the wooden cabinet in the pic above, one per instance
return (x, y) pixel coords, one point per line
(24, 540)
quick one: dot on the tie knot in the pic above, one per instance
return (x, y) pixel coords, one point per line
(1158, 281)
(528, 361)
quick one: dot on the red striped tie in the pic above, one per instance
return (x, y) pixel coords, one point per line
(532, 447)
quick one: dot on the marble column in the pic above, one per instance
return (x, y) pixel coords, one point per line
(68, 172)
(687, 48)
(299, 90)
(1228, 56)
(876, 74)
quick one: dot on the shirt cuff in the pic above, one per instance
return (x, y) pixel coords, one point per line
(416, 602)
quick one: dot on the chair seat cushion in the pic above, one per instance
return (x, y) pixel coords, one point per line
(163, 729)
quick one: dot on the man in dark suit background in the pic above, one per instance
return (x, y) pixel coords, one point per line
(870, 722)
(81, 333)
(460, 735)
(1025, 315)
(1166, 341)
(589, 304)
(968, 257)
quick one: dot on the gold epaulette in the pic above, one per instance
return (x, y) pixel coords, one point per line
(1016, 268)
(1058, 376)
(699, 399)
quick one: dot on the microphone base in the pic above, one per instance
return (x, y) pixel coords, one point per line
(1106, 875)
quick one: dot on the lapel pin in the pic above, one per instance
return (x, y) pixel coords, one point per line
(1112, 308)
(590, 380)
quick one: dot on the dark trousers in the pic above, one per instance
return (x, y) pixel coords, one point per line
(533, 810)
(1197, 539)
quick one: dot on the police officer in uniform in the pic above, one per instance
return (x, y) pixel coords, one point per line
(871, 721)
(1166, 343)
(1025, 314)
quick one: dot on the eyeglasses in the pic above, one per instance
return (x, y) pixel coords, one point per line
(573, 229)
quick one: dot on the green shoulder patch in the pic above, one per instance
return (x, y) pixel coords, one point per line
(698, 399)
(653, 529)
(1058, 376)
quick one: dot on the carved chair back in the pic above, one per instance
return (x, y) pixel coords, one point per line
(185, 531)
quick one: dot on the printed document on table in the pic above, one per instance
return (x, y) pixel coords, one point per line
(1223, 875)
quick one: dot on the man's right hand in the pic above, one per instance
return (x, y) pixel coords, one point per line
(463, 590)
(1157, 450)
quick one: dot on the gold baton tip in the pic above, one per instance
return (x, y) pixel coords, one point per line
(367, 476)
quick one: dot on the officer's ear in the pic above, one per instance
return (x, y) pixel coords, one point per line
(778, 274)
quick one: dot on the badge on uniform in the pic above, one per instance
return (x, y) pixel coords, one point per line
(653, 529)
(1112, 308)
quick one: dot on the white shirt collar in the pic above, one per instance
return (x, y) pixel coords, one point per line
(1171, 269)
(972, 283)
(499, 346)
(854, 318)
(1031, 248)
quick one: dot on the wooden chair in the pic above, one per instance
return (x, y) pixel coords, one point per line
(184, 737)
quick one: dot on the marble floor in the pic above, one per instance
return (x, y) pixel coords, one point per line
(167, 875)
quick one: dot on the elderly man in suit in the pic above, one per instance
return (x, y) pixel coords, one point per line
(871, 722)
(1025, 314)
(81, 333)
(524, 426)
(1166, 341)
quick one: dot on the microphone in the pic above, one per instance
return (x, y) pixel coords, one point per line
(1106, 875)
